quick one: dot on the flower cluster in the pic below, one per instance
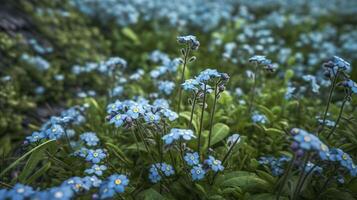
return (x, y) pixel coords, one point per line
(276, 164)
(36, 61)
(177, 134)
(166, 87)
(189, 40)
(159, 169)
(122, 113)
(263, 61)
(105, 67)
(55, 128)
(304, 141)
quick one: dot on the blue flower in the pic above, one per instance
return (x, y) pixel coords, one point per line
(311, 166)
(82, 152)
(207, 75)
(352, 85)
(176, 134)
(96, 169)
(115, 107)
(190, 40)
(167, 169)
(197, 172)
(60, 193)
(154, 175)
(192, 159)
(77, 184)
(95, 156)
(150, 117)
(166, 87)
(135, 110)
(190, 85)
(171, 115)
(90, 138)
(307, 141)
(259, 118)
(118, 120)
(36, 136)
(93, 180)
(20, 191)
(118, 182)
(337, 63)
(161, 103)
(214, 164)
(106, 192)
(235, 138)
(55, 131)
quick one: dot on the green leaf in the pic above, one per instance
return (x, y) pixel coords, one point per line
(118, 153)
(39, 173)
(265, 196)
(150, 194)
(267, 112)
(31, 163)
(128, 32)
(187, 115)
(274, 132)
(219, 132)
(201, 189)
(248, 183)
(16, 162)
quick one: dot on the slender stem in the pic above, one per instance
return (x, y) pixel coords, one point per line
(187, 52)
(212, 116)
(192, 109)
(226, 157)
(301, 175)
(285, 177)
(67, 139)
(338, 119)
(201, 120)
(305, 177)
(328, 103)
(252, 95)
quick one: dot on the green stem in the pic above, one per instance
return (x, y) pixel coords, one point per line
(192, 110)
(212, 116)
(338, 119)
(301, 175)
(201, 120)
(187, 52)
(252, 95)
(285, 177)
(328, 103)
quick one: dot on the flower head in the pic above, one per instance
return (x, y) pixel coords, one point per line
(190, 40)
(95, 156)
(192, 159)
(96, 169)
(214, 164)
(89, 138)
(197, 172)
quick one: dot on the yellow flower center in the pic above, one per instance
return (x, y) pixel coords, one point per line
(136, 110)
(95, 154)
(344, 156)
(152, 118)
(323, 147)
(97, 169)
(54, 130)
(118, 181)
(198, 171)
(192, 158)
(215, 162)
(118, 117)
(78, 185)
(307, 138)
(113, 106)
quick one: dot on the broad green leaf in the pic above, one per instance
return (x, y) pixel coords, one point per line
(150, 194)
(187, 115)
(16, 162)
(249, 183)
(219, 132)
(274, 132)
